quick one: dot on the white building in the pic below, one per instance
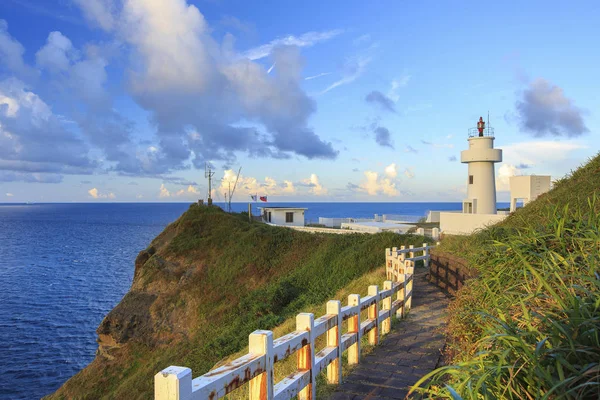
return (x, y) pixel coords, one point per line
(376, 227)
(283, 216)
(481, 184)
(527, 188)
(479, 208)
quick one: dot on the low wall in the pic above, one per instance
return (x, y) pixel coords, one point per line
(323, 230)
(465, 224)
(449, 272)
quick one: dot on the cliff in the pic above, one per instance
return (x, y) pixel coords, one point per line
(207, 281)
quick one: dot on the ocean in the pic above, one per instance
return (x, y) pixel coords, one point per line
(64, 266)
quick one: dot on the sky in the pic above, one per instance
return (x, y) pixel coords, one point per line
(127, 100)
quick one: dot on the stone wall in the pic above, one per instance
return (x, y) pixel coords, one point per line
(449, 272)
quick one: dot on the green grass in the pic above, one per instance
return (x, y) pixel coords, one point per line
(528, 326)
(217, 277)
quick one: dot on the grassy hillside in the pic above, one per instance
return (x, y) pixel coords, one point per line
(205, 283)
(529, 325)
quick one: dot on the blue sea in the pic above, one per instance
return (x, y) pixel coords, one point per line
(64, 266)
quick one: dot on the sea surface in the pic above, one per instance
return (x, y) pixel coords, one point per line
(64, 266)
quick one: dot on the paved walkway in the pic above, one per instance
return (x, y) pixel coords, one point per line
(409, 351)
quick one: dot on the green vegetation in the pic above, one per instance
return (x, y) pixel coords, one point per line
(529, 325)
(206, 282)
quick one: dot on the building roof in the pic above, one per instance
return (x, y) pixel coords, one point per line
(282, 208)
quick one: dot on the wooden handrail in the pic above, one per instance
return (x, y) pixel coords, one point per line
(176, 383)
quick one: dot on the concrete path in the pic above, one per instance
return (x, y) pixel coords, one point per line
(409, 351)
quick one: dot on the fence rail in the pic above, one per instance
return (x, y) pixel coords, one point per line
(256, 368)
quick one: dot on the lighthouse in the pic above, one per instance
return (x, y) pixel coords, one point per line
(480, 158)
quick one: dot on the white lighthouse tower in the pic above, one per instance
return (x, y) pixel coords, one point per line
(480, 157)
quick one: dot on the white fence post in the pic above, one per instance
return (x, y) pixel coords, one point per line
(261, 387)
(306, 355)
(409, 270)
(426, 254)
(334, 339)
(411, 253)
(386, 304)
(374, 314)
(173, 383)
(354, 327)
(401, 296)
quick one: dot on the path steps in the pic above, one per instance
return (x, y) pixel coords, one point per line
(412, 349)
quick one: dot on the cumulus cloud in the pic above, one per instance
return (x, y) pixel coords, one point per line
(199, 97)
(163, 192)
(379, 99)
(391, 170)
(315, 186)
(33, 139)
(504, 173)
(374, 185)
(99, 12)
(544, 110)
(95, 194)
(190, 191)
(11, 53)
(248, 185)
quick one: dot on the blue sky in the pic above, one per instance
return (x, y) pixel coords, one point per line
(125, 100)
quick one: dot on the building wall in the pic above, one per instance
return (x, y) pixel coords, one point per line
(464, 224)
(278, 217)
(481, 157)
(527, 188)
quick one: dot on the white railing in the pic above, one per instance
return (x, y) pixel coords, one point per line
(256, 368)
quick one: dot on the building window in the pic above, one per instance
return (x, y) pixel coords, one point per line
(470, 179)
(289, 217)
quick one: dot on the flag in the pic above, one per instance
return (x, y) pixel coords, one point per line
(263, 198)
(253, 197)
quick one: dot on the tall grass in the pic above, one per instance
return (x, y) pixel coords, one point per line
(528, 327)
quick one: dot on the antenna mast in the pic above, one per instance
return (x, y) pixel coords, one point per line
(231, 192)
(208, 173)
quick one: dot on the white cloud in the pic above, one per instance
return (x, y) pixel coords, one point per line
(354, 68)
(391, 170)
(163, 192)
(57, 53)
(305, 40)
(504, 173)
(248, 185)
(94, 193)
(99, 12)
(308, 78)
(396, 85)
(539, 152)
(375, 185)
(315, 186)
(9, 195)
(409, 173)
(11, 53)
